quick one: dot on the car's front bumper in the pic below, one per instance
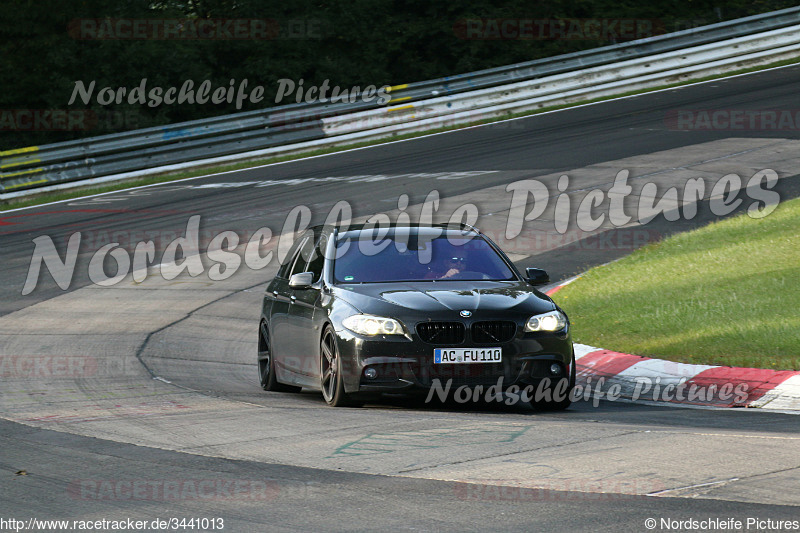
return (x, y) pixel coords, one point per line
(403, 364)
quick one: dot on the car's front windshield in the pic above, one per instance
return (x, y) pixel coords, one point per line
(409, 256)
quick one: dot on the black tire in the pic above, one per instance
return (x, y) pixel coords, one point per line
(330, 373)
(563, 403)
(266, 370)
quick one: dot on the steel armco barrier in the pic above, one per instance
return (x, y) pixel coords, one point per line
(413, 107)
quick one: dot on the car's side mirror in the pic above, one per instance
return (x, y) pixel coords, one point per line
(537, 276)
(303, 280)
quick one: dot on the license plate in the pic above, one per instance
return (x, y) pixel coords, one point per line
(467, 355)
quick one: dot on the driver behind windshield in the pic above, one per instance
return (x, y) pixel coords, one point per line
(447, 268)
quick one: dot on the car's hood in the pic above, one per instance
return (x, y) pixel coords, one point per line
(443, 297)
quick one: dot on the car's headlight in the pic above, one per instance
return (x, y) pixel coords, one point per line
(552, 321)
(373, 325)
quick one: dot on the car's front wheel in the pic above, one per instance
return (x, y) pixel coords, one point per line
(266, 364)
(330, 372)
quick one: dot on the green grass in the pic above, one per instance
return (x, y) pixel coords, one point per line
(724, 294)
(204, 171)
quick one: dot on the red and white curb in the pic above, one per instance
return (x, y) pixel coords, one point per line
(620, 375)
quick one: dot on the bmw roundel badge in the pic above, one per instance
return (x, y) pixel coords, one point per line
(465, 313)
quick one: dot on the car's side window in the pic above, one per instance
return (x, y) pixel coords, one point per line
(283, 271)
(317, 261)
(305, 251)
(291, 258)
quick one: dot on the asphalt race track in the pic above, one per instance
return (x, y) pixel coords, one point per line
(141, 400)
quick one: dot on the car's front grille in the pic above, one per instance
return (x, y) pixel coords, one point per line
(441, 332)
(494, 331)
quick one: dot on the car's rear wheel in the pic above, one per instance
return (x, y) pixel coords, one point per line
(266, 364)
(330, 372)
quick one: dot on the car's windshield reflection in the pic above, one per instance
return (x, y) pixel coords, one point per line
(442, 258)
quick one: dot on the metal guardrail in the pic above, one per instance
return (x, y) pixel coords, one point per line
(197, 140)
(600, 56)
(621, 76)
